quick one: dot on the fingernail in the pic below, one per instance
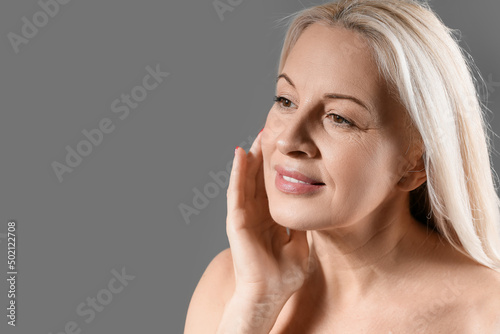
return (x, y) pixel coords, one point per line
(236, 149)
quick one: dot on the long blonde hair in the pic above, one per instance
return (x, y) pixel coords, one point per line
(433, 77)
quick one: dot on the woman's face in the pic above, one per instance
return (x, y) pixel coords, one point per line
(336, 124)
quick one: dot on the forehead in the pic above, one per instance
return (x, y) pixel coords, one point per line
(333, 59)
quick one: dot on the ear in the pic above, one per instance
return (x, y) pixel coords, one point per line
(414, 176)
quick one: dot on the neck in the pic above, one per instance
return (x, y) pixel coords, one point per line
(351, 262)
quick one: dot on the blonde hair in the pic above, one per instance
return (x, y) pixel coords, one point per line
(433, 77)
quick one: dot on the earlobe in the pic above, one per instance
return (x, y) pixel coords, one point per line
(412, 182)
(414, 178)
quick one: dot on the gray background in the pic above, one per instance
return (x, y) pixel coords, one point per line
(120, 207)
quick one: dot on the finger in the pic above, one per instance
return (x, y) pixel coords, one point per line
(255, 148)
(236, 187)
(254, 162)
(260, 185)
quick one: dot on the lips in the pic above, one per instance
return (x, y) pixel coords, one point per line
(292, 182)
(294, 174)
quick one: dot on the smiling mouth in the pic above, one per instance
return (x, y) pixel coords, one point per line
(291, 179)
(290, 185)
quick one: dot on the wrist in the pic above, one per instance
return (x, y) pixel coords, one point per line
(251, 313)
(272, 293)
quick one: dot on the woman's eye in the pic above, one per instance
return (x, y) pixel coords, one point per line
(283, 102)
(339, 120)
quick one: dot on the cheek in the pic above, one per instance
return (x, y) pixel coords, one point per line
(274, 124)
(357, 165)
(348, 153)
(378, 166)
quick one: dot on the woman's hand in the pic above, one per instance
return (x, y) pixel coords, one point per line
(270, 265)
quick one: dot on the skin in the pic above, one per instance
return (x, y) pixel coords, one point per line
(361, 216)
(356, 260)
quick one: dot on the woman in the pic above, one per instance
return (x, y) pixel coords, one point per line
(367, 203)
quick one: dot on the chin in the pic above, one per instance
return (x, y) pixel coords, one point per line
(300, 219)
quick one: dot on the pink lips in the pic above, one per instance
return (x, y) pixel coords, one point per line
(289, 187)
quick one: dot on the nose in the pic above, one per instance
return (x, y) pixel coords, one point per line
(295, 139)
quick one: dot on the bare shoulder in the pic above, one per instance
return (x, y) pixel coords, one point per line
(483, 301)
(214, 289)
(476, 308)
(464, 295)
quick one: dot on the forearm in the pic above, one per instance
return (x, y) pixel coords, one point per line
(250, 315)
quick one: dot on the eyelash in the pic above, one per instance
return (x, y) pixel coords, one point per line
(345, 122)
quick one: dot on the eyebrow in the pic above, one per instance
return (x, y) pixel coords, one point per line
(328, 95)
